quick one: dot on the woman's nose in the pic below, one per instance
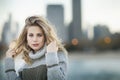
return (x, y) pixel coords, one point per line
(34, 38)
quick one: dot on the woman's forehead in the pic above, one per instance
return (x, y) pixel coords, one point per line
(34, 29)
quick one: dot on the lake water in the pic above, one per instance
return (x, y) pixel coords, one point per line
(92, 66)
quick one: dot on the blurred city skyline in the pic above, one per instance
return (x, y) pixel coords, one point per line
(93, 11)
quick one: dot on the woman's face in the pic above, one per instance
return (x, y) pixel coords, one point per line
(35, 38)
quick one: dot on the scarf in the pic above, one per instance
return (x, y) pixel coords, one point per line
(38, 54)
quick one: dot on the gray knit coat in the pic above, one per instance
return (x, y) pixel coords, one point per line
(45, 66)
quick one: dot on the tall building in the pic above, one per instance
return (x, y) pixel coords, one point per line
(75, 27)
(55, 14)
(101, 31)
(8, 34)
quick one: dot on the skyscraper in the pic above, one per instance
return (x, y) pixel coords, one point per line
(76, 24)
(75, 30)
(8, 34)
(55, 14)
(101, 31)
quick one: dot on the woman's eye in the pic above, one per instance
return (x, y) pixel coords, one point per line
(39, 35)
(30, 35)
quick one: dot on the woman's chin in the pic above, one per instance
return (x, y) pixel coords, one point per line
(36, 49)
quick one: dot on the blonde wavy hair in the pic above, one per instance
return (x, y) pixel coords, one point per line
(49, 33)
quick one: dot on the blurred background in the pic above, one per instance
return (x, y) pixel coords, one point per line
(90, 30)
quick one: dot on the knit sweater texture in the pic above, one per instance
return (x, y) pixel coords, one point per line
(45, 66)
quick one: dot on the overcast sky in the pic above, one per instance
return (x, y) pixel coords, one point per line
(102, 12)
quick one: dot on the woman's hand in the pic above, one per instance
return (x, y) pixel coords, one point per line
(52, 47)
(11, 51)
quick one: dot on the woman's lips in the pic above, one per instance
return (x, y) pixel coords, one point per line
(35, 45)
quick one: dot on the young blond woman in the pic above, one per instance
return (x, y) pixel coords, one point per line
(44, 55)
